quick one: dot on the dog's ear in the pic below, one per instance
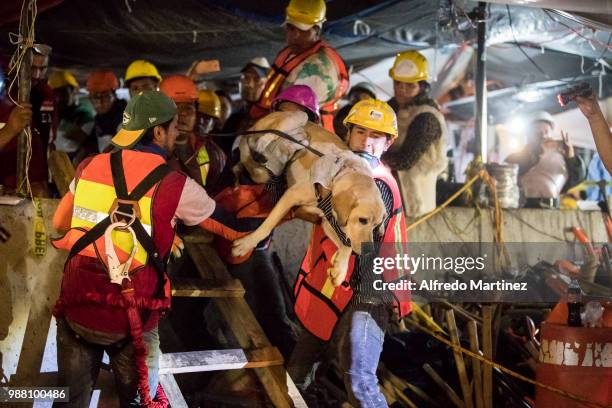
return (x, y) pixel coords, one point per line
(342, 204)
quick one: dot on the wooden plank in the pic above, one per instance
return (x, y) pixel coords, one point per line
(206, 288)
(294, 394)
(62, 170)
(207, 261)
(197, 235)
(198, 361)
(452, 395)
(459, 362)
(487, 346)
(476, 368)
(172, 391)
(215, 360)
(402, 384)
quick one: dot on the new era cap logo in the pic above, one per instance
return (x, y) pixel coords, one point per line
(126, 117)
(151, 120)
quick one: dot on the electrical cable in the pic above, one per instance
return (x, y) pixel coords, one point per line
(519, 45)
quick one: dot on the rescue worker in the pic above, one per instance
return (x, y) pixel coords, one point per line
(75, 120)
(354, 314)
(547, 166)
(13, 119)
(418, 156)
(307, 60)
(192, 151)
(41, 98)
(141, 76)
(252, 81)
(359, 92)
(114, 286)
(101, 86)
(226, 110)
(602, 134)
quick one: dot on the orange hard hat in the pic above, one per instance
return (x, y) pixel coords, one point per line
(102, 81)
(179, 88)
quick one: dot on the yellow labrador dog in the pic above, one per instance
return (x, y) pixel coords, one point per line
(337, 185)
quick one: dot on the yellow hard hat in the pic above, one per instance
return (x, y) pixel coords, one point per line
(209, 103)
(141, 69)
(304, 14)
(58, 79)
(373, 114)
(409, 66)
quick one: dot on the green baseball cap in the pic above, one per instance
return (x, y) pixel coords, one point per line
(143, 111)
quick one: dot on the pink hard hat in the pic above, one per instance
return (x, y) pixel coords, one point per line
(301, 95)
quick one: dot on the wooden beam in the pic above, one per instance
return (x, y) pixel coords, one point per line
(476, 368)
(450, 393)
(487, 345)
(214, 360)
(172, 391)
(460, 364)
(62, 170)
(206, 288)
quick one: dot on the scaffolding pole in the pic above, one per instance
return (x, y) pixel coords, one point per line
(23, 94)
(481, 81)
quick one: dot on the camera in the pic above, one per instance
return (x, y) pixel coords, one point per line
(582, 89)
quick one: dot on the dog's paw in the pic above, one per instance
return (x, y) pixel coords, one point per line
(338, 270)
(337, 275)
(243, 246)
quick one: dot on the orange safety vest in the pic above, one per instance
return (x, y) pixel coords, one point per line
(95, 197)
(318, 304)
(283, 65)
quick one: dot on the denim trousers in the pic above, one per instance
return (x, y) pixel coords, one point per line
(360, 343)
(357, 342)
(79, 364)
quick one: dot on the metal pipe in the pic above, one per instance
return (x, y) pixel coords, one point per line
(25, 79)
(481, 88)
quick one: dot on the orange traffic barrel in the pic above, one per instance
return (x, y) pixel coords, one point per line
(577, 360)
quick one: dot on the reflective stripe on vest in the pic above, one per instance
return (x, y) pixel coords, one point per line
(94, 196)
(203, 163)
(282, 67)
(318, 304)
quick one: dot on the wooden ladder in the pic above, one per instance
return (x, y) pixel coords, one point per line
(256, 351)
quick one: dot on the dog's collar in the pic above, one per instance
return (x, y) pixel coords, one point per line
(325, 205)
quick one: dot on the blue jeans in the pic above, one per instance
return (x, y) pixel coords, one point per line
(79, 364)
(361, 335)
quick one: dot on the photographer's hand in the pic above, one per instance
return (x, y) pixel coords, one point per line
(588, 105)
(599, 127)
(568, 149)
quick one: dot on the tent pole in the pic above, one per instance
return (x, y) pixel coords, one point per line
(481, 80)
(25, 79)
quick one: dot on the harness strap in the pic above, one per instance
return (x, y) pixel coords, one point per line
(325, 205)
(278, 133)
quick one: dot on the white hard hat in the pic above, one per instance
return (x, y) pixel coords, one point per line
(543, 116)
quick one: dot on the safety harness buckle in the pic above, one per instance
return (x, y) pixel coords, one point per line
(118, 216)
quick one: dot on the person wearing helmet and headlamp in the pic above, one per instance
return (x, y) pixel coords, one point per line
(419, 155)
(360, 314)
(306, 60)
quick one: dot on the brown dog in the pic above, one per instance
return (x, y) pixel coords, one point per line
(356, 204)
